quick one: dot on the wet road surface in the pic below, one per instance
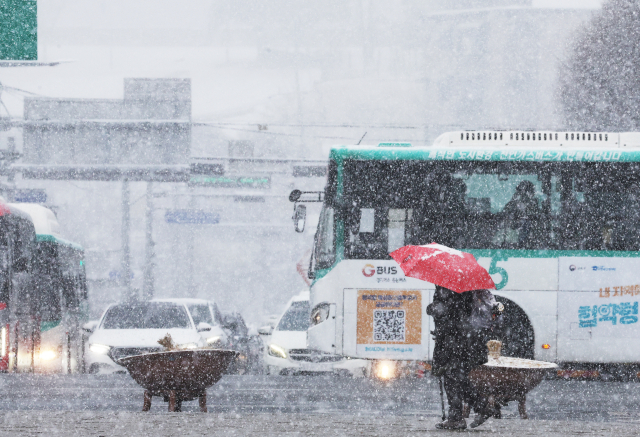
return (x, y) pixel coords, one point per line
(305, 405)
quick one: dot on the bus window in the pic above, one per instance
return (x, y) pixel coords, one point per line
(602, 208)
(521, 210)
(459, 204)
(398, 219)
(24, 244)
(490, 205)
(324, 251)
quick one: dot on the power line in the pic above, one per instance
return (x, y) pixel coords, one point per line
(283, 134)
(18, 90)
(278, 133)
(329, 125)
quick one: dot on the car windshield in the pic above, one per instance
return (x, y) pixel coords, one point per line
(150, 315)
(200, 313)
(296, 318)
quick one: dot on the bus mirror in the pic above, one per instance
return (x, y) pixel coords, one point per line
(299, 217)
(295, 195)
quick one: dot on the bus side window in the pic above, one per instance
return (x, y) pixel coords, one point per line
(23, 248)
(325, 251)
(398, 219)
(601, 207)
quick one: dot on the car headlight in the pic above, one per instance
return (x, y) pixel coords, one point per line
(187, 346)
(277, 351)
(214, 339)
(48, 355)
(99, 348)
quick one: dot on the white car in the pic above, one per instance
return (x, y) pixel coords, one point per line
(134, 328)
(286, 350)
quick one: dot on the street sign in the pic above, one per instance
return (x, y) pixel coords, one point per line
(309, 171)
(30, 196)
(191, 217)
(18, 30)
(116, 275)
(200, 168)
(231, 181)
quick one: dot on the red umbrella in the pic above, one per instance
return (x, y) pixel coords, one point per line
(441, 265)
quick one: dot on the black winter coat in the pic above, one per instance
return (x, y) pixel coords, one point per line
(457, 343)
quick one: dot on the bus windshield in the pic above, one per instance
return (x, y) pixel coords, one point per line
(490, 205)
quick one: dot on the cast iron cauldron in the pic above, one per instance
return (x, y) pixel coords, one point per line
(505, 379)
(180, 375)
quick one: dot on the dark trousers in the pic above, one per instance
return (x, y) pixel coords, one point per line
(460, 390)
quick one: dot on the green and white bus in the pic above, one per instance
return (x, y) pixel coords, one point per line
(553, 216)
(52, 308)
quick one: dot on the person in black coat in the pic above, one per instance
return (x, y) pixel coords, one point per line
(462, 329)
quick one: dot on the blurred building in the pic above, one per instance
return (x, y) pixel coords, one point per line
(151, 125)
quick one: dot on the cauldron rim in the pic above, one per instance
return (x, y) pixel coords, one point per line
(534, 364)
(163, 371)
(191, 351)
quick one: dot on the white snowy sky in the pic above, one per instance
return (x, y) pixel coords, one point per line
(84, 30)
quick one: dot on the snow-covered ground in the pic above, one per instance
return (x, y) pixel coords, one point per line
(67, 423)
(260, 405)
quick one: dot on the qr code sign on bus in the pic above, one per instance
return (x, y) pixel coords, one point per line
(389, 325)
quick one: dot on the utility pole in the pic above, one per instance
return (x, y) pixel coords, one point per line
(192, 291)
(126, 251)
(11, 175)
(147, 286)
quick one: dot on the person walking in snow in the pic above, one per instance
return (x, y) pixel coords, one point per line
(464, 322)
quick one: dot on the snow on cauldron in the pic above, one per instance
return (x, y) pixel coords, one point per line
(178, 375)
(505, 379)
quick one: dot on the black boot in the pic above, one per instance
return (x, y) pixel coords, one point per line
(480, 419)
(452, 424)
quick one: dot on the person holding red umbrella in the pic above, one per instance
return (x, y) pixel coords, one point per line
(465, 314)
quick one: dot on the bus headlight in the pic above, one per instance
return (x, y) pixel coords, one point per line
(101, 349)
(277, 351)
(385, 370)
(48, 355)
(320, 313)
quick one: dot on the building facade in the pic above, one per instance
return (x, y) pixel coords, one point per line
(150, 125)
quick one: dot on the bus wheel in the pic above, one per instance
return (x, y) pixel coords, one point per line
(516, 332)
